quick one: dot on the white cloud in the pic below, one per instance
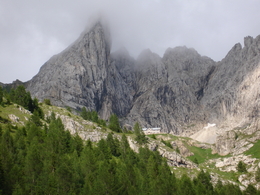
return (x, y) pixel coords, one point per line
(32, 31)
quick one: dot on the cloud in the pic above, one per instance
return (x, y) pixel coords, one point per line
(32, 31)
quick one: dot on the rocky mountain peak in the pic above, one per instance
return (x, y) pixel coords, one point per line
(70, 77)
(180, 90)
(180, 51)
(251, 48)
(248, 41)
(148, 61)
(121, 52)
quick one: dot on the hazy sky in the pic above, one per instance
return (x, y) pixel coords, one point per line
(34, 30)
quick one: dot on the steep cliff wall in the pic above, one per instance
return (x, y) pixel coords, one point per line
(179, 92)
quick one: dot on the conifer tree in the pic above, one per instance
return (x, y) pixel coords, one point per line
(257, 175)
(1, 95)
(84, 113)
(33, 166)
(2, 180)
(113, 144)
(78, 143)
(124, 146)
(114, 123)
(203, 183)
(186, 187)
(94, 116)
(104, 149)
(140, 137)
(241, 167)
(250, 190)
(7, 152)
(35, 118)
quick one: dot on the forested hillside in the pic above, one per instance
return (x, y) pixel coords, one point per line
(39, 157)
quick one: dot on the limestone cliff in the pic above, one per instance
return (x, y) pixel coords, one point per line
(76, 76)
(180, 92)
(231, 97)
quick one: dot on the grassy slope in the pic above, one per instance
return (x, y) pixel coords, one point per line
(254, 151)
(5, 111)
(202, 155)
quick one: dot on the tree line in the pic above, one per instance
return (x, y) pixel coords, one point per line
(49, 160)
(46, 159)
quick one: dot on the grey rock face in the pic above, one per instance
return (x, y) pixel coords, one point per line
(76, 76)
(169, 89)
(233, 90)
(182, 89)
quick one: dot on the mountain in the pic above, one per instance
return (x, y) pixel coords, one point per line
(180, 92)
(232, 94)
(76, 76)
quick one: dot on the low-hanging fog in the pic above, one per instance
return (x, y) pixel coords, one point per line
(32, 31)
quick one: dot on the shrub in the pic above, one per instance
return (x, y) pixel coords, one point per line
(68, 108)
(257, 175)
(178, 150)
(196, 161)
(114, 124)
(241, 167)
(140, 136)
(47, 102)
(167, 144)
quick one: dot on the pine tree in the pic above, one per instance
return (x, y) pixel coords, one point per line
(114, 123)
(196, 161)
(47, 102)
(113, 144)
(2, 180)
(20, 96)
(257, 175)
(153, 175)
(140, 137)
(167, 180)
(94, 116)
(125, 147)
(241, 167)
(35, 118)
(78, 142)
(250, 190)
(186, 187)
(203, 183)
(65, 174)
(104, 150)
(84, 113)
(1, 95)
(33, 166)
(7, 152)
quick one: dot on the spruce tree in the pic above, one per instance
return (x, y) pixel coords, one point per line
(114, 123)
(2, 180)
(140, 137)
(1, 95)
(250, 190)
(241, 167)
(257, 175)
(186, 187)
(84, 113)
(113, 144)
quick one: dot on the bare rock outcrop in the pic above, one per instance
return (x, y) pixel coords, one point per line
(230, 163)
(76, 76)
(231, 95)
(172, 92)
(184, 151)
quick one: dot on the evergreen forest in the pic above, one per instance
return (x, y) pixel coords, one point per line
(43, 158)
